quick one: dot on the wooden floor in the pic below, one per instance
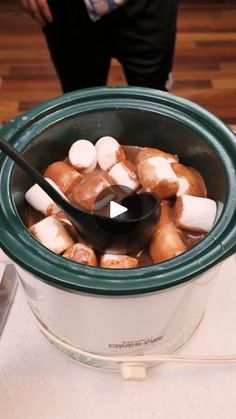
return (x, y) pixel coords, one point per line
(204, 65)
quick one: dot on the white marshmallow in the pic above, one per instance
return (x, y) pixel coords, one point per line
(83, 156)
(148, 152)
(156, 175)
(162, 169)
(40, 200)
(109, 152)
(195, 213)
(190, 181)
(51, 234)
(81, 253)
(118, 261)
(183, 186)
(123, 174)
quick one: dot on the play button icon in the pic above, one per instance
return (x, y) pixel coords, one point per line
(124, 220)
(108, 202)
(116, 209)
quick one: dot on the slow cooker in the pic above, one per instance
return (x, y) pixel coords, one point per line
(152, 309)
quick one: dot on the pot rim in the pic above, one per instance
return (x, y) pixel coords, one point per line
(52, 268)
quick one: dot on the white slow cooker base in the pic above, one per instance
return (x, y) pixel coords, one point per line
(136, 369)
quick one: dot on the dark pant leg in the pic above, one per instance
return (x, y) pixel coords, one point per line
(144, 40)
(77, 46)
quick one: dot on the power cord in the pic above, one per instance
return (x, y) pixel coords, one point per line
(134, 367)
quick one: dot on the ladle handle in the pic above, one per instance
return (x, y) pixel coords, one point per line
(35, 175)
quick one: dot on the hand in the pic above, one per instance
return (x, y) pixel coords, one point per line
(38, 9)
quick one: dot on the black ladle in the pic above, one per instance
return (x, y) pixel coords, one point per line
(124, 234)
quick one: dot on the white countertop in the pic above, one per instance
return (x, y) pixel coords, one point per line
(37, 382)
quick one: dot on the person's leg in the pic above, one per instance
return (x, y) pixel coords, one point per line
(77, 46)
(144, 40)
